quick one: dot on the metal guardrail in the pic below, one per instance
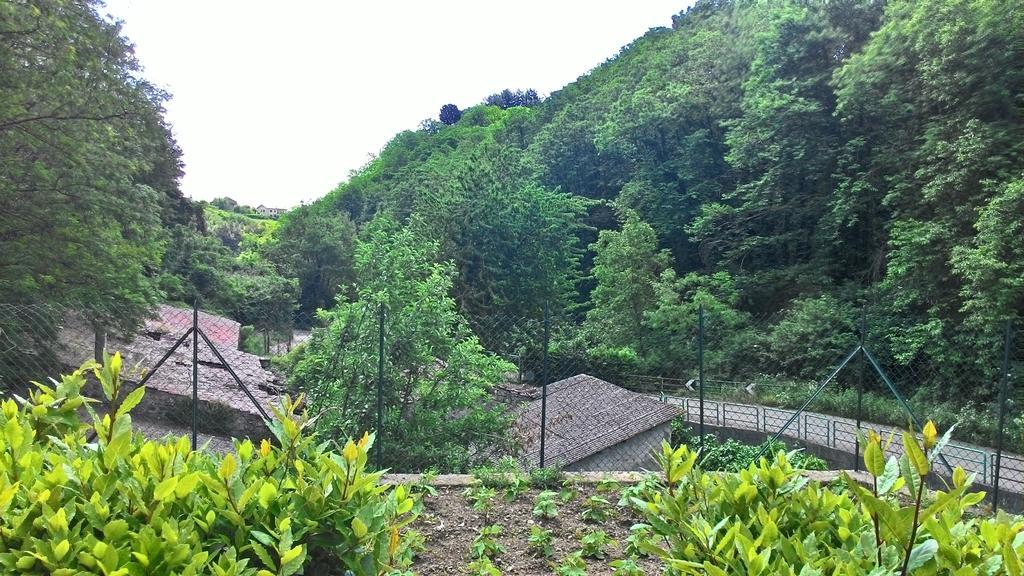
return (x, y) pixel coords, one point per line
(834, 433)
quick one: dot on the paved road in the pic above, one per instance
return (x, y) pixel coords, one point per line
(840, 433)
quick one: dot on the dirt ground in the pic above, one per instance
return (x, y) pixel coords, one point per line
(449, 525)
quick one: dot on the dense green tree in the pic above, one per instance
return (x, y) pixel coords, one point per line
(627, 264)
(88, 169)
(514, 242)
(225, 203)
(992, 266)
(674, 324)
(935, 132)
(510, 98)
(437, 376)
(316, 247)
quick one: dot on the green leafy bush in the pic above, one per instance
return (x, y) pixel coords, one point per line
(517, 484)
(481, 498)
(632, 496)
(570, 490)
(595, 544)
(486, 543)
(546, 506)
(125, 505)
(483, 567)
(572, 565)
(768, 519)
(596, 509)
(550, 477)
(639, 533)
(731, 455)
(540, 543)
(626, 567)
(500, 473)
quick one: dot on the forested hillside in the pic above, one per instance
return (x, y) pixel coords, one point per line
(806, 160)
(788, 165)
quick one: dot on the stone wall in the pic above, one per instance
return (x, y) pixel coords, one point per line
(636, 453)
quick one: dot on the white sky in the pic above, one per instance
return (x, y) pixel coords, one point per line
(274, 103)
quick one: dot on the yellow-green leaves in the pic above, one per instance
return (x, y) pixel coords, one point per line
(61, 549)
(912, 451)
(267, 494)
(131, 401)
(165, 489)
(227, 468)
(930, 435)
(874, 458)
(676, 463)
(186, 485)
(126, 505)
(350, 452)
(359, 528)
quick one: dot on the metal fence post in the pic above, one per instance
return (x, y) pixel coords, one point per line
(195, 372)
(700, 363)
(380, 388)
(1002, 415)
(544, 383)
(860, 391)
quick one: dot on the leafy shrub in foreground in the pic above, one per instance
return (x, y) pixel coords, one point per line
(768, 519)
(128, 506)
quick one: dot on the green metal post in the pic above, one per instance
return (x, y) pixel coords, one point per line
(380, 389)
(860, 392)
(807, 403)
(544, 383)
(906, 407)
(1002, 415)
(195, 373)
(700, 363)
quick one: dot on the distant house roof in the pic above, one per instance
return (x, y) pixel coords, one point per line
(173, 322)
(586, 415)
(142, 351)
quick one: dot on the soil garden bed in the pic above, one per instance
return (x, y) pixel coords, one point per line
(449, 525)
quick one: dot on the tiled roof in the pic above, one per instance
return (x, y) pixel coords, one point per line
(173, 322)
(586, 415)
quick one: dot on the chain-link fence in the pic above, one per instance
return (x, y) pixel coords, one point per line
(443, 393)
(199, 382)
(754, 379)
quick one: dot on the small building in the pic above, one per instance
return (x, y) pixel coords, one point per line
(269, 212)
(593, 425)
(224, 409)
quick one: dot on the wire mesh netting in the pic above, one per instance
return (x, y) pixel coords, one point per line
(198, 381)
(400, 372)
